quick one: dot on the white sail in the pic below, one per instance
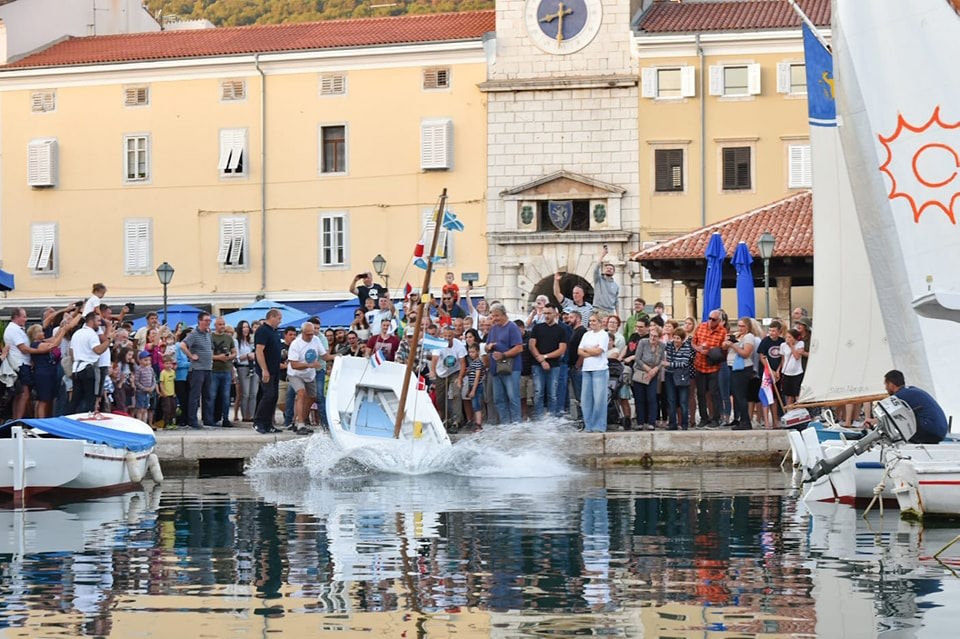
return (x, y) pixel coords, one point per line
(899, 104)
(849, 352)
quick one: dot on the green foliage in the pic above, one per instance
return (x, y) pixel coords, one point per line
(229, 13)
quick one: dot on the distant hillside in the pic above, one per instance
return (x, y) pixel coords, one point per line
(228, 13)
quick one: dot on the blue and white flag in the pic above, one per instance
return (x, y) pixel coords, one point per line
(821, 99)
(450, 221)
(376, 360)
(431, 343)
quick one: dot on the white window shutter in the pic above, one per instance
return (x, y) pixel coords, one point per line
(233, 89)
(783, 77)
(649, 82)
(41, 162)
(237, 144)
(48, 236)
(43, 101)
(137, 245)
(716, 80)
(236, 249)
(333, 84)
(225, 148)
(36, 245)
(688, 81)
(443, 240)
(800, 168)
(753, 79)
(436, 144)
(226, 240)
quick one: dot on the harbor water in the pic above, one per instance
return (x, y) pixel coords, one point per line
(511, 545)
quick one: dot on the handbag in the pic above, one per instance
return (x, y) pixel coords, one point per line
(641, 376)
(681, 377)
(505, 366)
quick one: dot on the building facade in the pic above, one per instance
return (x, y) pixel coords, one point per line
(274, 161)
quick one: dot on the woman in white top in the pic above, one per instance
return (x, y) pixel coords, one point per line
(740, 362)
(595, 375)
(246, 376)
(791, 365)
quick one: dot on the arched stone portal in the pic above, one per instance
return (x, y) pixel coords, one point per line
(567, 282)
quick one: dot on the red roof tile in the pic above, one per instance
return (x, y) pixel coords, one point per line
(329, 34)
(736, 15)
(790, 220)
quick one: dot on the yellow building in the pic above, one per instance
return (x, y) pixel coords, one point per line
(263, 160)
(723, 116)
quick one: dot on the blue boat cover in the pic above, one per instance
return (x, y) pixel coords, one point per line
(89, 431)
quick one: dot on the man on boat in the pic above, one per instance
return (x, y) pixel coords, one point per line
(931, 421)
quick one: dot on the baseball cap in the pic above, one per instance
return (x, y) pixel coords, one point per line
(144, 354)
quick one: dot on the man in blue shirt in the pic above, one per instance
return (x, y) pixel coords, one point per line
(931, 422)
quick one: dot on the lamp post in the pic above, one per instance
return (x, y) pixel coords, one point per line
(165, 274)
(380, 265)
(766, 242)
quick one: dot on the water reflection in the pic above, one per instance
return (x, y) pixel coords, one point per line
(627, 554)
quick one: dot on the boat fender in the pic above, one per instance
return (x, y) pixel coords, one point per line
(131, 461)
(153, 465)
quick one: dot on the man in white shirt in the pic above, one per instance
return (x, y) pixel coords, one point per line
(446, 366)
(305, 356)
(17, 341)
(386, 311)
(87, 347)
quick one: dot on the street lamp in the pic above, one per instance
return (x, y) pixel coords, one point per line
(165, 274)
(765, 243)
(380, 265)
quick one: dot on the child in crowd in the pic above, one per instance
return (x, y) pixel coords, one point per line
(166, 389)
(791, 365)
(451, 287)
(474, 386)
(145, 382)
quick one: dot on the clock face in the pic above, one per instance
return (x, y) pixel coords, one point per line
(562, 26)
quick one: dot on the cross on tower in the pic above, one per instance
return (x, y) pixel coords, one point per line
(558, 16)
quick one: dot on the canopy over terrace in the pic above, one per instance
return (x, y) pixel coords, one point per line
(790, 220)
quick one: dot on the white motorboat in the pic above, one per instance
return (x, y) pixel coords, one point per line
(75, 457)
(362, 405)
(925, 488)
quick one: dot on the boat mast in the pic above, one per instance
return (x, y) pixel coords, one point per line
(417, 327)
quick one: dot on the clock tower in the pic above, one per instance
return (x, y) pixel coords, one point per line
(562, 154)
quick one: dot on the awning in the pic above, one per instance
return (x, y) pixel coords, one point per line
(89, 431)
(6, 281)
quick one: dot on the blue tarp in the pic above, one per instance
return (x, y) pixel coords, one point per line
(746, 299)
(6, 281)
(314, 307)
(339, 315)
(88, 431)
(713, 280)
(258, 311)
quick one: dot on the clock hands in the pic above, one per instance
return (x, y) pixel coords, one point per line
(558, 16)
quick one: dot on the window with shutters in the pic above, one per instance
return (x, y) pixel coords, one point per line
(233, 153)
(136, 158)
(231, 90)
(668, 83)
(668, 169)
(735, 81)
(333, 148)
(736, 168)
(43, 101)
(436, 78)
(137, 245)
(444, 241)
(333, 84)
(333, 239)
(136, 96)
(43, 249)
(233, 243)
(42, 163)
(436, 144)
(800, 170)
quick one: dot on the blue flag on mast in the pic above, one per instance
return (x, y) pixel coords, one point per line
(821, 101)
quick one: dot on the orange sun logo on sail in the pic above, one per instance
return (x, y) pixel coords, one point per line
(923, 164)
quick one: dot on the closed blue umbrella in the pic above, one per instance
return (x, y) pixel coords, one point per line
(746, 300)
(712, 282)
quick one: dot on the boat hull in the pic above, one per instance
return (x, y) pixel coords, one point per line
(926, 489)
(361, 406)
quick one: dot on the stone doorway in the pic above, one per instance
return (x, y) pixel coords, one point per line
(567, 282)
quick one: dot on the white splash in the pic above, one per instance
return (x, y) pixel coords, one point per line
(532, 449)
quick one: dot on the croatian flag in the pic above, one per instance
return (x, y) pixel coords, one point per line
(376, 359)
(766, 386)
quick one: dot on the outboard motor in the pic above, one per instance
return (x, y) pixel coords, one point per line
(895, 423)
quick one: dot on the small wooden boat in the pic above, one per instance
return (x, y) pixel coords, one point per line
(362, 404)
(75, 457)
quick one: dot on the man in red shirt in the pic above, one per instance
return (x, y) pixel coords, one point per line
(386, 342)
(709, 335)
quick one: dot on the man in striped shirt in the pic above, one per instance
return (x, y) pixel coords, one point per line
(709, 335)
